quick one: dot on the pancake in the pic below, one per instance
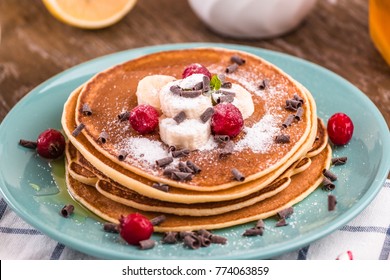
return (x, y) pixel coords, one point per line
(302, 184)
(143, 185)
(113, 91)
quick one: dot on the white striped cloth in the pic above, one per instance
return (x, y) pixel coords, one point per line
(367, 237)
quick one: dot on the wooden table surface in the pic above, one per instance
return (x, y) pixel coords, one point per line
(34, 46)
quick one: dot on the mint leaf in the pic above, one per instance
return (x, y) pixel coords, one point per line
(215, 82)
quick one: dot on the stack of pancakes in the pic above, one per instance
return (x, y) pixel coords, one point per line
(111, 184)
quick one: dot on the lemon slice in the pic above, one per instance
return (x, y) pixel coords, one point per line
(89, 14)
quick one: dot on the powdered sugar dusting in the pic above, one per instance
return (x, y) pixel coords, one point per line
(260, 136)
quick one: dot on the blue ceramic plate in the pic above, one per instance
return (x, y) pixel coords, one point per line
(34, 188)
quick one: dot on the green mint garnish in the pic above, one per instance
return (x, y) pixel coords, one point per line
(215, 82)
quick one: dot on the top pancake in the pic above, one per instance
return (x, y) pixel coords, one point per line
(113, 91)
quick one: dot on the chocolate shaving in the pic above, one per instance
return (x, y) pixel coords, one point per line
(183, 234)
(161, 187)
(158, 220)
(168, 171)
(330, 175)
(339, 160)
(198, 86)
(281, 223)
(327, 184)
(204, 233)
(184, 168)
(180, 153)
(147, 244)
(78, 130)
(171, 148)
(164, 161)
(204, 241)
(176, 90)
(67, 210)
(181, 176)
(237, 59)
(111, 227)
(124, 116)
(264, 84)
(231, 68)
(221, 138)
(225, 92)
(253, 232)
(206, 83)
(292, 104)
(298, 115)
(238, 175)
(282, 139)
(298, 98)
(170, 237)
(122, 155)
(195, 169)
(288, 121)
(331, 202)
(227, 85)
(180, 117)
(217, 239)
(191, 242)
(206, 115)
(28, 144)
(260, 224)
(286, 213)
(225, 99)
(103, 136)
(227, 149)
(191, 93)
(86, 110)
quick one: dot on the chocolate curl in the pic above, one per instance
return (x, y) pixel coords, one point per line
(260, 224)
(180, 153)
(227, 85)
(191, 242)
(122, 155)
(111, 227)
(86, 110)
(282, 139)
(298, 115)
(331, 202)
(225, 99)
(205, 233)
(170, 237)
(67, 210)
(28, 144)
(181, 176)
(78, 130)
(288, 121)
(147, 244)
(327, 184)
(281, 223)
(161, 187)
(339, 160)
(195, 169)
(264, 84)
(204, 242)
(180, 117)
(238, 175)
(221, 138)
(158, 220)
(286, 213)
(184, 168)
(176, 90)
(183, 234)
(231, 68)
(328, 174)
(164, 161)
(198, 86)
(168, 171)
(206, 115)
(298, 98)
(237, 59)
(191, 93)
(225, 92)
(103, 136)
(292, 104)
(253, 232)
(227, 149)
(217, 239)
(206, 83)
(124, 116)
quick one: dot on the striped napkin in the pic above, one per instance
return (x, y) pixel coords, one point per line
(367, 237)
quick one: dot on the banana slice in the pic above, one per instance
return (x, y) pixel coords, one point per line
(190, 134)
(149, 87)
(172, 104)
(243, 101)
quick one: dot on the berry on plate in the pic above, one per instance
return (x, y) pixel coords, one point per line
(195, 68)
(144, 118)
(340, 129)
(135, 228)
(226, 120)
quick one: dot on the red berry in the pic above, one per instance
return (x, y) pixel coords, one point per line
(226, 120)
(196, 68)
(135, 228)
(144, 119)
(340, 129)
(51, 144)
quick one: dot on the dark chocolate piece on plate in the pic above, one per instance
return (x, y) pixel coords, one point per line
(281, 223)
(124, 116)
(330, 175)
(260, 224)
(298, 98)
(147, 244)
(298, 115)
(231, 68)
(191, 241)
(286, 213)
(164, 161)
(184, 168)
(331, 202)
(67, 210)
(288, 121)
(28, 144)
(292, 104)
(195, 169)
(217, 239)
(78, 130)
(158, 220)
(180, 153)
(253, 232)
(181, 176)
(111, 227)
(339, 160)
(170, 237)
(327, 184)
(238, 175)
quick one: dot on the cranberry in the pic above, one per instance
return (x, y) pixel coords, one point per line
(226, 120)
(135, 228)
(144, 118)
(50, 144)
(196, 68)
(340, 129)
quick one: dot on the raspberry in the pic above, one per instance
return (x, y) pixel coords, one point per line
(340, 129)
(135, 228)
(196, 68)
(144, 119)
(50, 144)
(226, 120)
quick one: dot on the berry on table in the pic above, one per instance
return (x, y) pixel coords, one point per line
(340, 128)
(196, 68)
(50, 144)
(134, 228)
(226, 120)
(144, 118)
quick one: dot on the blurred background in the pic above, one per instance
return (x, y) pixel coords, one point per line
(35, 44)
